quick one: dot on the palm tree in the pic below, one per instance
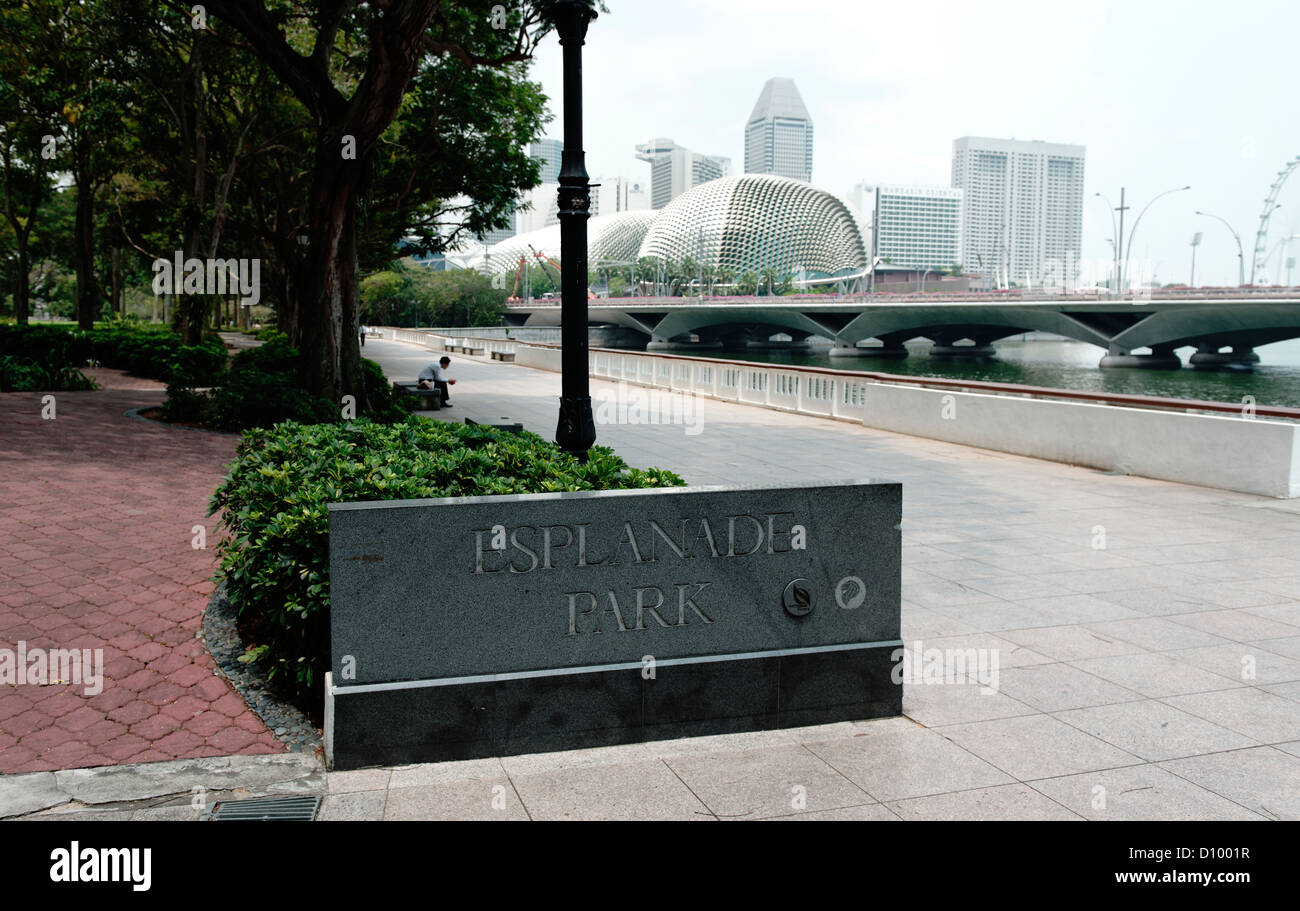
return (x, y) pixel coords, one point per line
(724, 275)
(768, 277)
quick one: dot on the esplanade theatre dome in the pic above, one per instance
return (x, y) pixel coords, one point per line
(610, 238)
(759, 221)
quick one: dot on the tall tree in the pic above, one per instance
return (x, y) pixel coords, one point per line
(29, 106)
(78, 41)
(353, 67)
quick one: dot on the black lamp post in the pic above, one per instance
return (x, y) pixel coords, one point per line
(577, 428)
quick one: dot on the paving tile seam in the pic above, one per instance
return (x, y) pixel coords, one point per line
(1194, 783)
(798, 813)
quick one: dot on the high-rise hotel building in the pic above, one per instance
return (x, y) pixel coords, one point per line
(779, 133)
(1023, 208)
(674, 169)
(912, 227)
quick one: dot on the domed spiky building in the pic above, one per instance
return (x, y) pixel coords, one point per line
(610, 238)
(756, 222)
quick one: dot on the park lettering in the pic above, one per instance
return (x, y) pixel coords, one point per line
(524, 549)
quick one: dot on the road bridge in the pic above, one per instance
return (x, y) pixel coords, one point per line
(1141, 332)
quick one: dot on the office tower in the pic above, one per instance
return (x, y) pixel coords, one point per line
(618, 194)
(779, 134)
(496, 235)
(1023, 209)
(549, 153)
(675, 169)
(912, 227)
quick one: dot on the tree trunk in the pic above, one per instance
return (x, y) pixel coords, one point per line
(115, 301)
(84, 244)
(22, 281)
(329, 322)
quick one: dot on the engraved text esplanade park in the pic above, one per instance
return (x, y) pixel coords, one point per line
(434, 589)
(689, 543)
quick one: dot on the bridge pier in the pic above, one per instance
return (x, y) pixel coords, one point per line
(976, 351)
(797, 341)
(1162, 357)
(1209, 356)
(680, 344)
(891, 352)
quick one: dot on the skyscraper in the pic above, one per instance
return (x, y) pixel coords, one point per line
(548, 152)
(674, 169)
(1023, 211)
(618, 194)
(912, 227)
(779, 134)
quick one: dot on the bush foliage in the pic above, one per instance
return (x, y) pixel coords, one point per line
(259, 389)
(155, 353)
(275, 544)
(27, 375)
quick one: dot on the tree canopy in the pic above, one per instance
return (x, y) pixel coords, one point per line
(323, 139)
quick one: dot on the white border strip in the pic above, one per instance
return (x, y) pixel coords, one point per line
(332, 690)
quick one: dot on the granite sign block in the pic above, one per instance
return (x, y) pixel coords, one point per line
(481, 625)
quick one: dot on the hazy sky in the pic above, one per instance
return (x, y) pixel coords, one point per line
(1161, 93)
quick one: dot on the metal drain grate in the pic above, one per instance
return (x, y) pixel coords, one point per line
(300, 809)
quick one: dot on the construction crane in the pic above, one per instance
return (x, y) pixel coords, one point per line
(514, 292)
(543, 258)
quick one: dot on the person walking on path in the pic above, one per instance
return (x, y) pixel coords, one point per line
(434, 376)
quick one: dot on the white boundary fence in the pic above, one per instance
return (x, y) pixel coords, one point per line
(1210, 444)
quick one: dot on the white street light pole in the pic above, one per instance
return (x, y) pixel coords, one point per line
(1241, 256)
(1129, 248)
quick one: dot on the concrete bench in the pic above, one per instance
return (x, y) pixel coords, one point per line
(474, 352)
(508, 428)
(430, 399)
(503, 355)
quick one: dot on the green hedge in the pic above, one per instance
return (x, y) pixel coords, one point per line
(26, 375)
(275, 546)
(155, 353)
(259, 389)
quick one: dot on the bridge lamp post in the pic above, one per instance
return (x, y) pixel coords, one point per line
(1241, 257)
(1114, 266)
(1196, 242)
(1128, 250)
(576, 430)
(923, 275)
(1280, 241)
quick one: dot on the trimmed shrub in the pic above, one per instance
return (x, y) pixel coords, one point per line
(275, 544)
(25, 375)
(156, 353)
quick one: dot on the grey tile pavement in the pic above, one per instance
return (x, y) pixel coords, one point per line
(1152, 679)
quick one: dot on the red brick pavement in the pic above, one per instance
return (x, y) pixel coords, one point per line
(96, 518)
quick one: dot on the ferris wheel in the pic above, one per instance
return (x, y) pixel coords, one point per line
(1270, 206)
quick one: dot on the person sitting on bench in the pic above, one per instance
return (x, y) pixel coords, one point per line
(434, 376)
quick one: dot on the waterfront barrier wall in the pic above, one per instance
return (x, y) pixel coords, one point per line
(1246, 448)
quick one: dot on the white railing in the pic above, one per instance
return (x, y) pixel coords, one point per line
(438, 342)
(1207, 443)
(1213, 444)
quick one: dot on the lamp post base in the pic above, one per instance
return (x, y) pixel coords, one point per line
(576, 430)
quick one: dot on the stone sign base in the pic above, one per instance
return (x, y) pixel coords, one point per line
(509, 714)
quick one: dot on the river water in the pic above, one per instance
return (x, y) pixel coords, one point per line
(1065, 364)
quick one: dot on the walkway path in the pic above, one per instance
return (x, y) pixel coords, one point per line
(1148, 635)
(97, 516)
